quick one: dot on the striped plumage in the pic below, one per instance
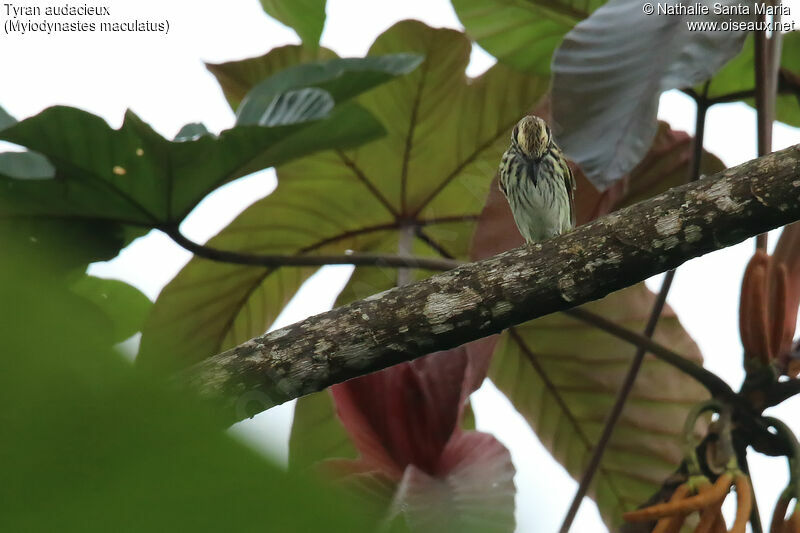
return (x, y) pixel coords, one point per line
(537, 182)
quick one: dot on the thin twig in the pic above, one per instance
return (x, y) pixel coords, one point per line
(276, 260)
(762, 86)
(765, 103)
(699, 134)
(784, 86)
(723, 98)
(735, 96)
(774, 52)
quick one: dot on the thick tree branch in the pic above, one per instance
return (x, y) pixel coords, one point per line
(482, 298)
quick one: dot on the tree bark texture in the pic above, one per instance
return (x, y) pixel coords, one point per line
(485, 297)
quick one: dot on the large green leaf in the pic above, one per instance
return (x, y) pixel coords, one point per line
(135, 176)
(63, 249)
(290, 107)
(306, 17)
(522, 33)
(24, 164)
(66, 247)
(445, 135)
(123, 304)
(428, 176)
(737, 76)
(6, 119)
(317, 434)
(237, 77)
(606, 108)
(341, 78)
(90, 444)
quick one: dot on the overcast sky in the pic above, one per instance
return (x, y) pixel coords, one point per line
(162, 78)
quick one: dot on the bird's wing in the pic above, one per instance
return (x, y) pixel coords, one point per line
(503, 170)
(569, 179)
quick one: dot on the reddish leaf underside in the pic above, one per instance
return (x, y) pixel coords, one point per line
(405, 423)
(405, 414)
(473, 493)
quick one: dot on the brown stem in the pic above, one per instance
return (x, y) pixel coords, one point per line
(699, 135)
(716, 386)
(786, 84)
(765, 102)
(781, 391)
(277, 260)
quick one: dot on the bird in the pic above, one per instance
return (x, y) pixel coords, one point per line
(537, 182)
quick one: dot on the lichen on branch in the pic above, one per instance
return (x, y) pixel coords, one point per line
(485, 297)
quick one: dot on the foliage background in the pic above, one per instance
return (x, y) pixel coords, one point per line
(164, 81)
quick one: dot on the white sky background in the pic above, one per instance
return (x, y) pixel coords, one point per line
(163, 80)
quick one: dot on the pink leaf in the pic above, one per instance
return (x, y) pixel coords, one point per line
(406, 414)
(473, 491)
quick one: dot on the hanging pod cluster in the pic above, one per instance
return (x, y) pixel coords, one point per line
(768, 306)
(699, 494)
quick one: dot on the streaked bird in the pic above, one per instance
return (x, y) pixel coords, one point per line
(537, 182)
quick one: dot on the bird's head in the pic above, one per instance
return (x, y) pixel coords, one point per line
(531, 136)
